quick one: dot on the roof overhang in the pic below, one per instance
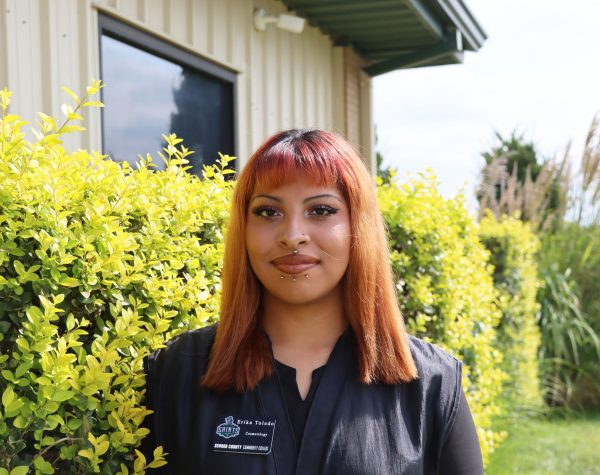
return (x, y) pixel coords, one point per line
(396, 34)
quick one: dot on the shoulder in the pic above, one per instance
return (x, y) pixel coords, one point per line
(191, 348)
(438, 383)
(433, 361)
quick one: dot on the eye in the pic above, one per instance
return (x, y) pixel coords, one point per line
(323, 210)
(265, 211)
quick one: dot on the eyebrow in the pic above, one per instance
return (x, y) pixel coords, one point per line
(310, 198)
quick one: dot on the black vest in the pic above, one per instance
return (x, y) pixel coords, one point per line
(352, 428)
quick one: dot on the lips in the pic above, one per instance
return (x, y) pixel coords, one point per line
(294, 263)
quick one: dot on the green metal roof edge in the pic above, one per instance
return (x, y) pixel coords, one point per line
(468, 34)
(449, 51)
(450, 22)
(473, 33)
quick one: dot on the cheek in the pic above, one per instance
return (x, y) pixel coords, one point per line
(256, 241)
(338, 241)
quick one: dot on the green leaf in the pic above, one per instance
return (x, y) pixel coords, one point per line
(74, 424)
(71, 93)
(93, 104)
(22, 369)
(102, 447)
(86, 453)
(69, 282)
(20, 422)
(44, 467)
(20, 470)
(13, 408)
(62, 395)
(8, 375)
(19, 267)
(34, 314)
(140, 461)
(23, 344)
(53, 420)
(72, 128)
(74, 116)
(8, 397)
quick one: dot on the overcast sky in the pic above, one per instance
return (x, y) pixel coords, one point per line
(538, 72)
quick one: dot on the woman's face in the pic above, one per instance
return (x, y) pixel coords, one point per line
(312, 220)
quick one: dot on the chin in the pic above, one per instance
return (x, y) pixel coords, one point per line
(299, 295)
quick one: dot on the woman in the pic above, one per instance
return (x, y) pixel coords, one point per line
(310, 369)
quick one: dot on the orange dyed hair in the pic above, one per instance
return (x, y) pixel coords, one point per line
(241, 355)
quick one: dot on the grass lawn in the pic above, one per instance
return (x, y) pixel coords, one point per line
(550, 447)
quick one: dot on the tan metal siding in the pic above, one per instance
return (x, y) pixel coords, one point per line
(286, 70)
(338, 90)
(24, 44)
(3, 46)
(284, 80)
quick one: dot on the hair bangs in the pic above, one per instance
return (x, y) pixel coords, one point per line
(291, 161)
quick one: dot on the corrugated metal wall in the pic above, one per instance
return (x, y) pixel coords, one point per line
(284, 79)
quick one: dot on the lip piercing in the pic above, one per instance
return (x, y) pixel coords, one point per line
(295, 251)
(281, 276)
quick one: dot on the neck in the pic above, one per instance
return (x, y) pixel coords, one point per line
(309, 328)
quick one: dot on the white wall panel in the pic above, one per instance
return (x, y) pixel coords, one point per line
(337, 91)
(129, 8)
(152, 15)
(297, 81)
(269, 81)
(23, 56)
(142, 11)
(221, 31)
(284, 79)
(199, 12)
(175, 21)
(3, 46)
(284, 75)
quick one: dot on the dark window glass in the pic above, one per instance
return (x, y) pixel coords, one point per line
(147, 95)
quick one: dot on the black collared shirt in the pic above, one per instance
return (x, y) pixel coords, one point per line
(350, 428)
(297, 407)
(457, 457)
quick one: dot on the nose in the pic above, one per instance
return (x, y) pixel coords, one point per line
(292, 235)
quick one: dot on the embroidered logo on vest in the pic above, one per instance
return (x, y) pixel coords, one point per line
(228, 429)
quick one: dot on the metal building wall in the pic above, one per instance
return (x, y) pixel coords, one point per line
(284, 79)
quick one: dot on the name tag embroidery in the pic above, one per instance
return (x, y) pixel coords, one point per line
(242, 435)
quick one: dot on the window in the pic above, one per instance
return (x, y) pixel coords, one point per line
(154, 88)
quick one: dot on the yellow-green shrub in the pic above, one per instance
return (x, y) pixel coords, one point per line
(445, 288)
(513, 247)
(99, 263)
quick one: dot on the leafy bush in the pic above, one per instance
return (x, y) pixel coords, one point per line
(98, 264)
(513, 247)
(446, 290)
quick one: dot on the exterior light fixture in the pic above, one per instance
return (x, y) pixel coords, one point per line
(290, 23)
